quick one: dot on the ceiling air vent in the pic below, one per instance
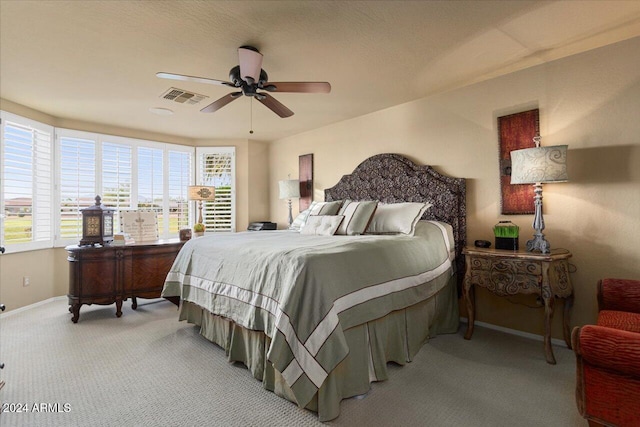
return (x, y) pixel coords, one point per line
(182, 96)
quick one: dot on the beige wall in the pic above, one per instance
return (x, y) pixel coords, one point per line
(588, 101)
(48, 269)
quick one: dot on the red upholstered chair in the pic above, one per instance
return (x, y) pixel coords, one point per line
(608, 357)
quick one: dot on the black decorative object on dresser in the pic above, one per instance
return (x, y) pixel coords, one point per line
(111, 274)
(97, 224)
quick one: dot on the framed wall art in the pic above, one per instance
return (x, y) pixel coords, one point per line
(516, 131)
(305, 173)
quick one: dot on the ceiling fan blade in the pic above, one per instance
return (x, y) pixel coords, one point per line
(250, 62)
(274, 105)
(301, 87)
(184, 78)
(216, 105)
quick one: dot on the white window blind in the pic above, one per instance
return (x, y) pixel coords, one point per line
(26, 183)
(78, 187)
(151, 182)
(41, 195)
(216, 166)
(180, 177)
(117, 177)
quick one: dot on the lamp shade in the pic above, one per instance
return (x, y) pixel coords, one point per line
(202, 192)
(539, 165)
(289, 188)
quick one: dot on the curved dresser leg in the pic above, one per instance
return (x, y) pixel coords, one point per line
(75, 310)
(118, 307)
(548, 317)
(469, 299)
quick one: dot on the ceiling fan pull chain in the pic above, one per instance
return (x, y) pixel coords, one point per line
(251, 116)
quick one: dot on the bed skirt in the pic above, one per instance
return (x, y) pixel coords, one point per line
(396, 337)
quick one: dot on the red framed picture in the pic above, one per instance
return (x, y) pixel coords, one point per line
(516, 131)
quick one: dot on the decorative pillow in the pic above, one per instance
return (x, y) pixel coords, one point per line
(356, 217)
(298, 223)
(322, 225)
(324, 208)
(393, 218)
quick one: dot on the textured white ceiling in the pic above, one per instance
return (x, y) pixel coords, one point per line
(95, 61)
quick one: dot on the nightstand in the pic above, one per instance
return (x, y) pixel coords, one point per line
(506, 273)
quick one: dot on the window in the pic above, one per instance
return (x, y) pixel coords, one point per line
(216, 166)
(41, 194)
(127, 174)
(26, 183)
(77, 182)
(180, 173)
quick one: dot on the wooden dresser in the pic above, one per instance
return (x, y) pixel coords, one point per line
(111, 274)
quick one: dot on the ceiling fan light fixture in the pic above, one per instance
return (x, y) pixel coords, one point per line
(250, 62)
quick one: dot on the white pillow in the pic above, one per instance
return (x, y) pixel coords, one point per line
(322, 225)
(357, 216)
(324, 208)
(298, 223)
(393, 218)
(316, 208)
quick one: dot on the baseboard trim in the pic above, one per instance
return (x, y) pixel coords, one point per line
(554, 341)
(30, 306)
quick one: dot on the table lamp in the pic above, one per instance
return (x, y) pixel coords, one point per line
(538, 166)
(289, 189)
(200, 193)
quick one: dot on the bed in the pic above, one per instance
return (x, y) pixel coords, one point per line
(316, 318)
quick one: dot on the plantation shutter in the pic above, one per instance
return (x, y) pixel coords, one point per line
(216, 166)
(78, 186)
(26, 183)
(180, 177)
(151, 182)
(117, 177)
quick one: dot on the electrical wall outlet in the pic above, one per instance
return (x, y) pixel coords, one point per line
(26, 281)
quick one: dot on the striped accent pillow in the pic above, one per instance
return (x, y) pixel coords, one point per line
(316, 208)
(394, 218)
(298, 223)
(356, 217)
(324, 208)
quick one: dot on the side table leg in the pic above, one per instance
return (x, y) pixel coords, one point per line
(134, 303)
(566, 331)
(118, 307)
(469, 299)
(548, 317)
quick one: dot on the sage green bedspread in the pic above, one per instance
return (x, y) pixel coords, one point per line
(304, 291)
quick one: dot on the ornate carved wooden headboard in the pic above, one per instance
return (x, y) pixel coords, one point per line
(392, 178)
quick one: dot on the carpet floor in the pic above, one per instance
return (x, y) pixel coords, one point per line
(148, 369)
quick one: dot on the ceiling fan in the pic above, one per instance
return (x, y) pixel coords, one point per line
(253, 81)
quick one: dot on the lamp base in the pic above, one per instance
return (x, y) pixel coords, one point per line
(290, 216)
(538, 243)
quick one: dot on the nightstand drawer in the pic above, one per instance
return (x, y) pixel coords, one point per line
(506, 266)
(504, 283)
